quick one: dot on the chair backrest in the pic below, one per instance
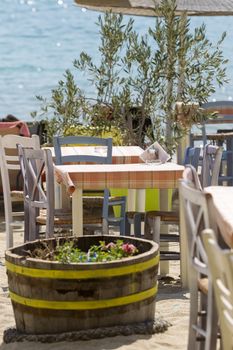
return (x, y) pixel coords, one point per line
(37, 168)
(211, 164)
(220, 264)
(190, 175)
(103, 149)
(192, 155)
(196, 216)
(9, 159)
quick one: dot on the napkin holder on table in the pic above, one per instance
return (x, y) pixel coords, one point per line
(155, 154)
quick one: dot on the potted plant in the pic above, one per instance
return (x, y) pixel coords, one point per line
(71, 284)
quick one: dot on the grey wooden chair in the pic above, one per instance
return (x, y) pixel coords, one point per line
(210, 169)
(104, 157)
(220, 263)
(38, 175)
(211, 164)
(203, 315)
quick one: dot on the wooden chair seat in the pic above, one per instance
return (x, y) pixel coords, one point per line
(97, 201)
(61, 217)
(64, 217)
(131, 214)
(202, 284)
(170, 217)
(17, 195)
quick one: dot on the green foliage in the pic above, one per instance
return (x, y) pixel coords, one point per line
(64, 109)
(139, 79)
(116, 134)
(187, 66)
(68, 253)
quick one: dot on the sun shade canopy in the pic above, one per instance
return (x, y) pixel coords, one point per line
(146, 7)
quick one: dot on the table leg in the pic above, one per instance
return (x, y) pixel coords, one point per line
(131, 204)
(141, 204)
(141, 200)
(164, 205)
(64, 201)
(57, 195)
(77, 212)
(131, 199)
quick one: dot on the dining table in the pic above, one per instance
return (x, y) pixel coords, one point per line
(219, 200)
(120, 155)
(136, 177)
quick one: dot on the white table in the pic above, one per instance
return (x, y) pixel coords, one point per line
(221, 210)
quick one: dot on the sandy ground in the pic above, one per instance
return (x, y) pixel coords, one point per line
(172, 304)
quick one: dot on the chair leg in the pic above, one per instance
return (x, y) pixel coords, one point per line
(208, 323)
(137, 220)
(193, 313)
(156, 229)
(33, 227)
(123, 217)
(26, 222)
(147, 228)
(105, 228)
(8, 226)
(152, 226)
(9, 234)
(122, 227)
(212, 321)
(127, 227)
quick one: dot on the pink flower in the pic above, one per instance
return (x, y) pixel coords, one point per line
(129, 248)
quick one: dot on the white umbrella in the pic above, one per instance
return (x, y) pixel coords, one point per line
(146, 7)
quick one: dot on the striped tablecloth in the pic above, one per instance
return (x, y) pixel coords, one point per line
(221, 210)
(131, 176)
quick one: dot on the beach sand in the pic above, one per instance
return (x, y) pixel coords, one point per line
(172, 305)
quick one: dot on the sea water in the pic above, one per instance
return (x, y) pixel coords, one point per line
(39, 40)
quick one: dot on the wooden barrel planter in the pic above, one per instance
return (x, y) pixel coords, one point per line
(52, 297)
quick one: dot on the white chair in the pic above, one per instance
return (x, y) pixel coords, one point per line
(203, 315)
(220, 263)
(9, 163)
